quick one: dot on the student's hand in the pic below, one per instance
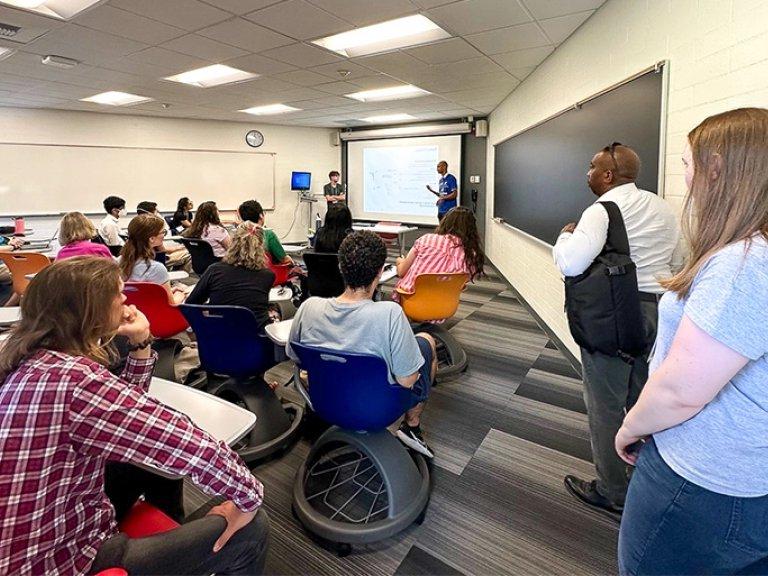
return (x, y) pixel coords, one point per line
(568, 228)
(16, 243)
(439, 201)
(133, 325)
(628, 445)
(235, 520)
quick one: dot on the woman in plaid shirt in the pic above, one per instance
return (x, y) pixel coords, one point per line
(63, 416)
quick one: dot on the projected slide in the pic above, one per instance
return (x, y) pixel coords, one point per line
(395, 179)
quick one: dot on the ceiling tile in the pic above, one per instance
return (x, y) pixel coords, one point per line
(303, 77)
(171, 62)
(551, 8)
(244, 34)
(377, 81)
(431, 3)
(394, 63)
(128, 25)
(338, 88)
(522, 73)
(451, 50)
(187, 14)
(259, 64)
(302, 55)
(508, 39)
(299, 19)
(84, 44)
(558, 29)
(364, 12)
(465, 68)
(471, 16)
(332, 70)
(203, 48)
(523, 58)
(241, 6)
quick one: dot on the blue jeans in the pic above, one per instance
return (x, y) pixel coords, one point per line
(672, 526)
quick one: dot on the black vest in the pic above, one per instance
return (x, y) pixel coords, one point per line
(603, 303)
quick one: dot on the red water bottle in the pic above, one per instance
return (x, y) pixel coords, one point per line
(19, 226)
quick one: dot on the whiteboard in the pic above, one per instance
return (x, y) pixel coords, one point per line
(46, 179)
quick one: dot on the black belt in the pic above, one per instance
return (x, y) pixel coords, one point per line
(649, 297)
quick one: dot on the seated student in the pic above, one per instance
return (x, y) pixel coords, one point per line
(109, 227)
(75, 233)
(207, 226)
(182, 218)
(9, 245)
(353, 322)
(454, 247)
(338, 224)
(242, 278)
(251, 211)
(176, 255)
(137, 258)
(65, 417)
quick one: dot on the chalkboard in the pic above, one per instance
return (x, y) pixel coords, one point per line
(541, 174)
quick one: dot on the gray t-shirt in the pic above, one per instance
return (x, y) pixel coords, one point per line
(724, 447)
(156, 272)
(366, 327)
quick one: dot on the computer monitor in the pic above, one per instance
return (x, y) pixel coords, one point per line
(300, 180)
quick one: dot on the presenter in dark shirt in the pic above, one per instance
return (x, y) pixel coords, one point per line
(333, 191)
(447, 192)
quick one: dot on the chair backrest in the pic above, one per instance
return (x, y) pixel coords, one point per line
(435, 296)
(352, 390)
(201, 252)
(115, 250)
(165, 319)
(169, 221)
(22, 263)
(228, 339)
(323, 275)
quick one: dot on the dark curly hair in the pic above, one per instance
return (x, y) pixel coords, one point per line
(361, 257)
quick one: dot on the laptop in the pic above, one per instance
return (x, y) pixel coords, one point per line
(40, 245)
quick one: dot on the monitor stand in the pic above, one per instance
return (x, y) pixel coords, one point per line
(306, 196)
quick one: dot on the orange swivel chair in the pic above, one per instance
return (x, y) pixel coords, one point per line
(22, 263)
(436, 297)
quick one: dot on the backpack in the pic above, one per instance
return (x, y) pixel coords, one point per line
(603, 302)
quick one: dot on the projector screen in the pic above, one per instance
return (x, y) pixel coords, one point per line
(387, 179)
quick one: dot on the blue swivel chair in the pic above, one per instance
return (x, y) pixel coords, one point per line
(359, 484)
(230, 346)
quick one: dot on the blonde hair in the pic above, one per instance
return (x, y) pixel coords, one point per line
(75, 227)
(247, 248)
(728, 199)
(68, 308)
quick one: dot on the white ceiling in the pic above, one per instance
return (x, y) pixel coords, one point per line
(130, 45)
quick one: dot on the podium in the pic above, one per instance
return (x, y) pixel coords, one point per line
(310, 200)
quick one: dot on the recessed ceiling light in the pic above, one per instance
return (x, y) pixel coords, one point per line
(214, 75)
(116, 99)
(385, 36)
(391, 93)
(270, 109)
(6, 52)
(62, 9)
(388, 118)
(59, 61)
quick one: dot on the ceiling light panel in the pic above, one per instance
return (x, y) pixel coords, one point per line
(389, 118)
(391, 93)
(383, 37)
(6, 52)
(214, 75)
(270, 110)
(116, 99)
(61, 9)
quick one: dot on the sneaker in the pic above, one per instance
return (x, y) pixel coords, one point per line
(413, 438)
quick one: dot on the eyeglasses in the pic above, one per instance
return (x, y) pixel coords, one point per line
(612, 151)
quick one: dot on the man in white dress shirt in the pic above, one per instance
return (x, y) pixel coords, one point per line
(611, 385)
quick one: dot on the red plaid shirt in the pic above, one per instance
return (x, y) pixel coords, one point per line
(61, 419)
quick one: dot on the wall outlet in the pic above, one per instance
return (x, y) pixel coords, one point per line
(474, 179)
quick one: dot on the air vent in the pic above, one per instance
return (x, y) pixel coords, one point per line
(8, 30)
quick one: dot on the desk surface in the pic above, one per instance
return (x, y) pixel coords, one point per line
(388, 274)
(279, 331)
(221, 419)
(280, 294)
(9, 315)
(294, 248)
(177, 275)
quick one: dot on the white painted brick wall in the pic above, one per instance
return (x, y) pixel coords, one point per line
(718, 53)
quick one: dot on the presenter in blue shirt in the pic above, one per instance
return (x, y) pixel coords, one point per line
(448, 190)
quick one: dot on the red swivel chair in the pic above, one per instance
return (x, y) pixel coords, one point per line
(165, 322)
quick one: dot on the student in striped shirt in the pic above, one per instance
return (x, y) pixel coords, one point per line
(454, 247)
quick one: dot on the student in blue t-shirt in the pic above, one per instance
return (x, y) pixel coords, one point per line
(448, 190)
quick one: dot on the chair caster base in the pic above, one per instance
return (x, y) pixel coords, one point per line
(343, 550)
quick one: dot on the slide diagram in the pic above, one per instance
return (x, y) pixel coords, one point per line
(395, 179)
